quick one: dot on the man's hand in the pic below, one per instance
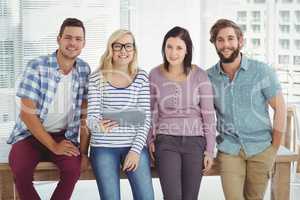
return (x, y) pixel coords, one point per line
(276, 139)
(131, 162)
(67, 148)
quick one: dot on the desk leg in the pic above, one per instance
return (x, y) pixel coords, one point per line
(280, 181)
(6, 186)
(298, 161)
(286, 138)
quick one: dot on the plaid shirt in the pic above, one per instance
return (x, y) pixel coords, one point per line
(39, 84)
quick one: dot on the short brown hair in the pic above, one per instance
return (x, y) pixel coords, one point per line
(71, 22)
(224, 23)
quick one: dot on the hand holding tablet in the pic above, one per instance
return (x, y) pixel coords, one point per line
(126, 117)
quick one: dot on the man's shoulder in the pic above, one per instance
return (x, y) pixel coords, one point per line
(212, 70)
(81, 62)
(83, 66)
(259, 65)
(39, 61)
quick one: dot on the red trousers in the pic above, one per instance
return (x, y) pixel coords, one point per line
(24, 157)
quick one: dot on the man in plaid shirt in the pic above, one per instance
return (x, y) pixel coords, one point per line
(53, 95)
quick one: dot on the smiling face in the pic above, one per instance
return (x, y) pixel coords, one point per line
(175, 51)
(227, 44)
(71, 42)
(123, 51)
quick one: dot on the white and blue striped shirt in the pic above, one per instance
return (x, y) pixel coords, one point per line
(102, 96)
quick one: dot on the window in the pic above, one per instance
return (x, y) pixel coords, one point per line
(5, 117)
(287, 1)
(259, 1)
(243, 27)
(3, 8)
(297, 14)
(245, 42)
(284, 43)
(22, 37)
(284, 29)
(256, 28)
(297, 44)
(284, 15)
(296, 60)
(125, 14)
(256, 16)
(283, 59)
(297, 29)
(242, 16)
(255, 42)
(7, 63)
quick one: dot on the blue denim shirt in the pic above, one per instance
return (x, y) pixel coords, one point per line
(39, 83)
(241, 105)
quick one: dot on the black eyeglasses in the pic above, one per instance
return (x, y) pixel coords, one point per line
(119, 46)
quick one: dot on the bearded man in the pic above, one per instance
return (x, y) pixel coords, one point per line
(244, 89)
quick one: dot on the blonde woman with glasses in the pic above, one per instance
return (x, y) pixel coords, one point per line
(116, 88)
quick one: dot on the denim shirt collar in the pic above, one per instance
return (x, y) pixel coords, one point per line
(243, 65)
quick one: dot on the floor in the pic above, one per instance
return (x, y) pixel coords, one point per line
(210, 189)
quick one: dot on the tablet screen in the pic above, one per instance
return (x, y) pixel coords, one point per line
(126, 117)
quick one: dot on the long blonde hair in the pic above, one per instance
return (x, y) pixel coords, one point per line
(106, 58)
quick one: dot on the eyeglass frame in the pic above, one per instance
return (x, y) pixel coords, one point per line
(123, 46)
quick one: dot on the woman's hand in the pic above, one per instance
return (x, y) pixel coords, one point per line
(106, 125)
(208, 162)
(131, 162)
(152, 151)
(85, 163)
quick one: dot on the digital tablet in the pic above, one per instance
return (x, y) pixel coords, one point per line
(126, 117)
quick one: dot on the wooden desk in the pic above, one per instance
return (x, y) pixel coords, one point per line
(46, 171)
(290, 139)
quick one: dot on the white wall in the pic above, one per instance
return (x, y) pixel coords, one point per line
(211, 11)
(152, 21)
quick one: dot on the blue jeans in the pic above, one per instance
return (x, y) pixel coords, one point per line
(106, 163)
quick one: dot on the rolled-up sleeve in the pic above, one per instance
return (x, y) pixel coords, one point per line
(270, 83)
(30, 85)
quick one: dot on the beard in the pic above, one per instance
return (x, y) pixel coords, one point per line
(231, 58)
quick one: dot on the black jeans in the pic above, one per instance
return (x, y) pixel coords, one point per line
(179, 161)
